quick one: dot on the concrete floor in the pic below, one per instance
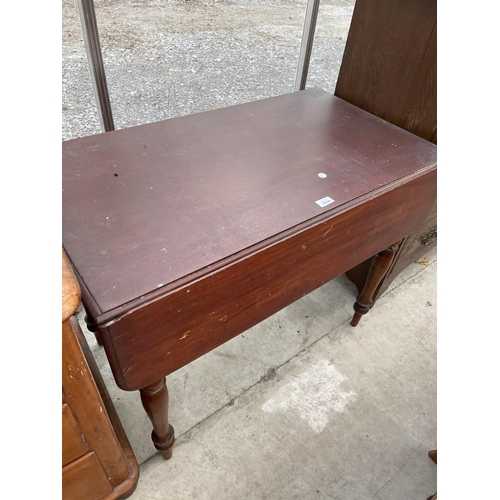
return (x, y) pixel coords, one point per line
(303, 405)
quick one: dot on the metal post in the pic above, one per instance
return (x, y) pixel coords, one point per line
(94, 56)
(306, 44)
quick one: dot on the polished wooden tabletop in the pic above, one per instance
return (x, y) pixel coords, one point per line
(146, 206)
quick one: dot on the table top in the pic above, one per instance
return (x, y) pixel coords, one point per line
(146, 206)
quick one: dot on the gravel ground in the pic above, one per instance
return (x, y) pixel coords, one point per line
(168, 58)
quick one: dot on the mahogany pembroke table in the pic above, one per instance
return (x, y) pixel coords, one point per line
(187, 232)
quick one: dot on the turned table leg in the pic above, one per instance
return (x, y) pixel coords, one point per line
(155, 401)
(92, 327)
(378, 268)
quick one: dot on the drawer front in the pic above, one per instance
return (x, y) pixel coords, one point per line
(85, 479)
(73, 441)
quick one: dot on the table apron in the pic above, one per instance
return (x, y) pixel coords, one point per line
(165, 335)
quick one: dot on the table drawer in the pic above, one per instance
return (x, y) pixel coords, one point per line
(73, 442)
(85, 479)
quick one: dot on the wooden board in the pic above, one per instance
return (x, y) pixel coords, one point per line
(389, 63)
(85, 479)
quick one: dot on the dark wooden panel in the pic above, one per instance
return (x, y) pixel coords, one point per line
(85, 479)
(166, 334)
(389, 68)
(196, 190)
(389, 63)
(420, 116)
(73, 441)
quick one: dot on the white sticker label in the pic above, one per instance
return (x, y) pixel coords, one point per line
(324, 201)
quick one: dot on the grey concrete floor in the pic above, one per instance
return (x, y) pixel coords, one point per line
(303, 405)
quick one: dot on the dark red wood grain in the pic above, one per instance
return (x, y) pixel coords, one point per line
(167, 333)
(185, 233)
(389, 66)
(151, 205)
